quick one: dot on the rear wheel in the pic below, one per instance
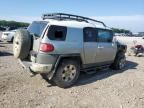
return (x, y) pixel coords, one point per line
(67, 73)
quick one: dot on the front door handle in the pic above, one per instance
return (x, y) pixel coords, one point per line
(100, 47)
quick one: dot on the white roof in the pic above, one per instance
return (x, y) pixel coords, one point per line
(75, 24)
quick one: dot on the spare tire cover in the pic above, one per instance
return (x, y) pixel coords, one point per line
(21, 44)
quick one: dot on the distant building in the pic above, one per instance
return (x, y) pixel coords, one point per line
(123, 34)
(141, 34)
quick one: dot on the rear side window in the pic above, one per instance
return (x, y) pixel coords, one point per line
(57, 33)
(37, 28)
(104, 35)
(89, 35)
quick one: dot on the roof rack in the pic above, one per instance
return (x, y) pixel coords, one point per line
(63, 16)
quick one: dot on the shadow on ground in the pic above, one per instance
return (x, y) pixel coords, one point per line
(87, 79)
(5, 54)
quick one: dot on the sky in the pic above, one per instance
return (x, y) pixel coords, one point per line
(127, 14)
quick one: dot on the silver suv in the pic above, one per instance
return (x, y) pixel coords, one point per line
(62, 45)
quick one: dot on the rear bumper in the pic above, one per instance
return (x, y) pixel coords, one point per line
(35, 67)
(41, 68)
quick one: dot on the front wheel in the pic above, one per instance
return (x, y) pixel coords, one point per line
(119, 62)
(67, 73)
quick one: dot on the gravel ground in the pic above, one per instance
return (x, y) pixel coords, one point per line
(104, 89)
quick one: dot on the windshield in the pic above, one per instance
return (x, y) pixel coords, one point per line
(37, 28)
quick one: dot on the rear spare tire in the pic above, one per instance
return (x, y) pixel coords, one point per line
(21, 44)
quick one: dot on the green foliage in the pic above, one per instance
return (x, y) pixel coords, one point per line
(116, 30)
(4, 23)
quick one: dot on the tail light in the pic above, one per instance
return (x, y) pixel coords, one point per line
(45, 47)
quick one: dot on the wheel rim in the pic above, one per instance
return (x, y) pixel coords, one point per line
(16, 45)
(122, 63)
(69, 73)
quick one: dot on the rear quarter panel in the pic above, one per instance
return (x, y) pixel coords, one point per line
(72, 45)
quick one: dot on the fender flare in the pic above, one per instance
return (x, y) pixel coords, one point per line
(61, 57)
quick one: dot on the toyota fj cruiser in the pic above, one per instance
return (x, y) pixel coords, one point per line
(62, 45)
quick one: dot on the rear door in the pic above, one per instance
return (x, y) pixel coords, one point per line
(37, 29)
(106, 49)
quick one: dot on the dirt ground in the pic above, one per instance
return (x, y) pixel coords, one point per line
(104, 89)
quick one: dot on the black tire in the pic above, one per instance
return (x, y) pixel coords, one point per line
(59, 78)
(21, 44)
(12, 40)
(119, 62)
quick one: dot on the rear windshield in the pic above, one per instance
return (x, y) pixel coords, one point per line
(37, 28)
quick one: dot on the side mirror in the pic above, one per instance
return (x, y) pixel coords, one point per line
(143, 37)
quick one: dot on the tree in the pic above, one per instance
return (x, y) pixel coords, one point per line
(14, 24)
(116, 30)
